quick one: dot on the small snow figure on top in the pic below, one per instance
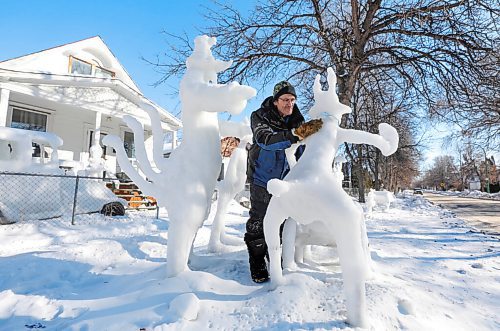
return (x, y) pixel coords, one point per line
(311, 193)
(276, 125)
(184, 183)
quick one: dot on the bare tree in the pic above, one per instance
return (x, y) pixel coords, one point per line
(477, 112)
(443, 174)
(431, 50)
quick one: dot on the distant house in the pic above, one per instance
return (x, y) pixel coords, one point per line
(80, 92)
(474, 180)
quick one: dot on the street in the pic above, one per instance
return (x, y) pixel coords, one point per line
(483, 215)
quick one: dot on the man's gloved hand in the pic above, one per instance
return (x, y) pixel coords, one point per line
(308, 128)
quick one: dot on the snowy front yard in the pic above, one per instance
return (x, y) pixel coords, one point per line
(431, 273)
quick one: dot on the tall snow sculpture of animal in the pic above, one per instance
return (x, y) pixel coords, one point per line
(233, 183)
(184, 183)
(311, 193)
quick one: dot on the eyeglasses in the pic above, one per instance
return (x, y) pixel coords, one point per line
(287, 100)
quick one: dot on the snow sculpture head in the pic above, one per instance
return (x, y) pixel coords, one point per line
(328, 101)
(203, 61)
(199, 84)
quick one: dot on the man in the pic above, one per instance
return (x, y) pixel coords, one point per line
(276, 125)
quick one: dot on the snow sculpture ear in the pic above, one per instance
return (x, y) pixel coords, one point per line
(328, 101)
(247, 133)
(316, 110)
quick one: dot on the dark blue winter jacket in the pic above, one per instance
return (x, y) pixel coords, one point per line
(271, 136)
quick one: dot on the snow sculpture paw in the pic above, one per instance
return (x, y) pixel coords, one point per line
(277, 187)
(239, 95)
(390, 135)
(276, 281)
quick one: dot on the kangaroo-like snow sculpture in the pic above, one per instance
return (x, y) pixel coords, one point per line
(311, 193)
(233, 183)
(184, 183)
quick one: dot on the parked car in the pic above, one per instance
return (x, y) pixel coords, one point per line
(418, 191)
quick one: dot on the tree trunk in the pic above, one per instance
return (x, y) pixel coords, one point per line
(360, 174)
(376, 171)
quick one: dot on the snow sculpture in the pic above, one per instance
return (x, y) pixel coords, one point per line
(379, 198)
(233, 183)
(311, 193)
(17, 157)
(337, 168)
(370, 203)
(299, 237)
(184, 183)
(16, 151)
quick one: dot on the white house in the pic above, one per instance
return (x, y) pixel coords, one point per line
(80, 92)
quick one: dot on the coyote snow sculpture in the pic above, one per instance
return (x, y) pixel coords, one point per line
(311, 193)
(379, 198)
(185, 182)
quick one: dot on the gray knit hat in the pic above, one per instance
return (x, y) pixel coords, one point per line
(281, 88)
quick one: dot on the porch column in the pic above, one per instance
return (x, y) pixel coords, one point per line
(174, 139)
(4, 105)
(96, 150)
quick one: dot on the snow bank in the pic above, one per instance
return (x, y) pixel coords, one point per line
(35, 306)
(185, 306)
(26, 197)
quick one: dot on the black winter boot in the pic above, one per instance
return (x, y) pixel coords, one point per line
(257, 251)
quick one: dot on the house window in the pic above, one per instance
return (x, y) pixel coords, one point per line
(103, 73)
(128, 142)
(81, 67)
(28, 120)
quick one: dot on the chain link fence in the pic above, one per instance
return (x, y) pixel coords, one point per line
(27, 197)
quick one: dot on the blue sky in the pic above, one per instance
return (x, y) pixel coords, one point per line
(131, 29)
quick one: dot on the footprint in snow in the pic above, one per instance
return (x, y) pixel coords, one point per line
(405, 307)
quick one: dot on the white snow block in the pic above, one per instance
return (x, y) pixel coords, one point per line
(185, 306)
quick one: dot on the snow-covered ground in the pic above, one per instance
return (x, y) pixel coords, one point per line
(431, 273)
